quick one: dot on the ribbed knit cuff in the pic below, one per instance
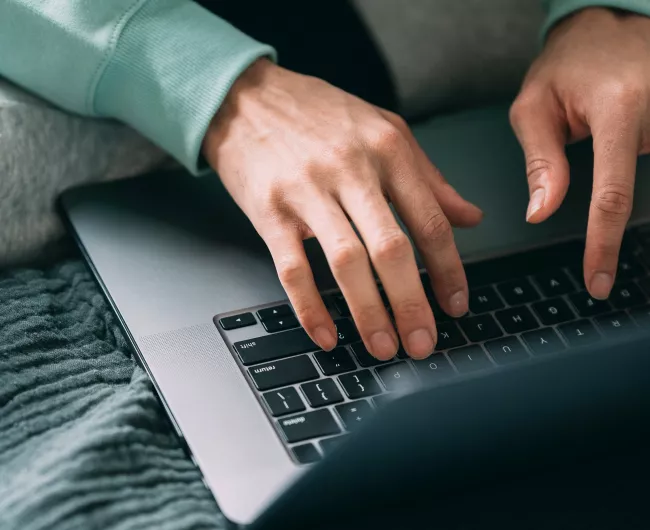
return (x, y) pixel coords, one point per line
(558, 9)
(170, 71)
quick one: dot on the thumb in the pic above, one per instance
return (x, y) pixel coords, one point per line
(541, 131)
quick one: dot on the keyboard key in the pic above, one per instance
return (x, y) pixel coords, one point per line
(364, 357)
(274, 325)
(580, 333)
(641, 316)
(276, 346)
(283, 373)
(470, 359)
(335, 362)
(397, 377)
(554, 283)
(359, 384)
(435, 368)
(484, 299)
(615, 324)
(272, 313)
(341, 305)
(543, 341)
(480, 328)
(237, 321)
(329, 444)
(383, 400)
(354, 413)
(449, 336)
(321, 393)
(586, 306)
(517, 319)
(518, 292)
(309, 425)
(626, 295)
(554, 311)
(578, 275)
(629, 268)
(347, 333)
(284, 401)
(306, 453)
(507, 350)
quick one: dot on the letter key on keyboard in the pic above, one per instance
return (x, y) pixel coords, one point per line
(470, 358)
(543, 341)
(517, 319)
(507, 350)
(553, 311)
(397, 376)
(480, 328)
(449, 336)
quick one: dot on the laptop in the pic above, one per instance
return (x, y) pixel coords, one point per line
(286, 434)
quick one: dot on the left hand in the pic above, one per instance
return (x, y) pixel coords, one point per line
(593, 78)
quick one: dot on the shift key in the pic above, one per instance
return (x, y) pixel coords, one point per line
(283, 373)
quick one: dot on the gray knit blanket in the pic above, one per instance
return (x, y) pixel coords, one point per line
(83, 440)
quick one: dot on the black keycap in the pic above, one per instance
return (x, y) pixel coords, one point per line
(449, 336)
(283, 373)
(614, 324)
(237, 321)
(363, 355)
(517, 319)
(321, 393)
(383, 400)
(470, 359)
(435, 368)
(641, 316)
(578, 275)
(274, 325)
(543, 341)
(335, 362)
(554, 283)
(274, 346)
(553, 311)
(354, 413)
(484, 299)
(518, 292)
(629, 268)
(329, 444)
(347, 333)
(586, 306)
(579, 333)
(480, 328)
(397, 377)
(306, 453)
(272, 313)
(341, 305)
(627, 294)
(284, 401)
(507, 350)
(309, 425)
(359, 384)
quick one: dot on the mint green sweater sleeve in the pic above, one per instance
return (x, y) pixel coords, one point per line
(558, 9)
(161, 66)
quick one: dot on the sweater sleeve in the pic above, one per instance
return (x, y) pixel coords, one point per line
(162, 66)
(558, 9)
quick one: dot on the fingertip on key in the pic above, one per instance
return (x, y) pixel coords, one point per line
(458, 304)
(420, 343)
(601, 285)
(325, 338)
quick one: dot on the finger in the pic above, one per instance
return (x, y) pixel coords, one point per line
(288, 252)
(392, 255)
(616, 147)
(350, 266)
(539, 125)
(460, 212)
(416, 204)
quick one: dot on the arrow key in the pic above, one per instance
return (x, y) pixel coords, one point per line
(237, 321)
(354, 413)
(271, 313)
(280, 324)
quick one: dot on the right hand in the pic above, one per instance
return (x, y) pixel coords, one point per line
(302, 158)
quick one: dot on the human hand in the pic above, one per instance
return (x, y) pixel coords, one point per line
(303, 158)
(593, 77)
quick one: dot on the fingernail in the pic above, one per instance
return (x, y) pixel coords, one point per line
(536, 202)
(458, 304)
(601, 285)
(325, 338)
(420, 343)
(383, 345)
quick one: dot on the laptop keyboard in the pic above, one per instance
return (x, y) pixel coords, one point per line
(521, 306)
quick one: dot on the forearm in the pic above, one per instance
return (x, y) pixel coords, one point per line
(161, 66)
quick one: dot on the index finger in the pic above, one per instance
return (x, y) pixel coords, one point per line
(616, 148)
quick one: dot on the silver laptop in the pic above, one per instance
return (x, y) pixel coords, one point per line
(262, 412)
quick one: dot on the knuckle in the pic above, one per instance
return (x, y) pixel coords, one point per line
(526, 103)
(614, 201)
(536, 167)
(410, 309)
(386, 137)
(627, 92)
(397, 120)
(347, 255)
(436, 227)
(392, 245)
(292, 271)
